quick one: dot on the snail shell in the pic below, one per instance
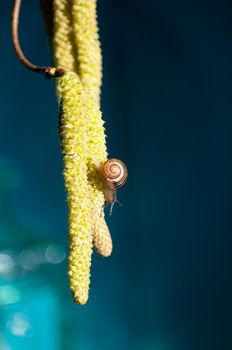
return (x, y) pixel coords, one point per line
(114, 173)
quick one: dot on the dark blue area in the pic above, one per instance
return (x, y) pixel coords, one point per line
(167, 103)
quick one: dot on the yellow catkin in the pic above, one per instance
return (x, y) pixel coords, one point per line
(97, 154)
(102, 238)
(74, 146)
(64, 52)
(90, 69)
(86, 38)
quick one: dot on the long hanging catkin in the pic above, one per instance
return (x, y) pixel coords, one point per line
(97, 155)
(89, 60)
(72, 129)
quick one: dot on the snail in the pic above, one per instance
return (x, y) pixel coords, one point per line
(113, 174)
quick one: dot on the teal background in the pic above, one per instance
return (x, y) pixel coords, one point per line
(166, 99)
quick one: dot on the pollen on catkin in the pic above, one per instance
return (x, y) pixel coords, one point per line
(63, 43)
(97, 154)
(89, 58)
(72, 129)
(86, 37)
(63, 39)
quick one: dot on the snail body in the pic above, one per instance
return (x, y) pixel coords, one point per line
(113, 174)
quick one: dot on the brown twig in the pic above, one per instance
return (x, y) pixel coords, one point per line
(48, 72)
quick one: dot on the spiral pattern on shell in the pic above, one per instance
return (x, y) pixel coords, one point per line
(114, 173)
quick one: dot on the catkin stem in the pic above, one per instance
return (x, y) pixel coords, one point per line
(15, 39)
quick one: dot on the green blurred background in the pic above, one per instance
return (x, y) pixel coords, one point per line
(166, 99)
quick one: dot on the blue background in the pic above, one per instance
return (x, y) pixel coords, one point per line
(166, 100)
